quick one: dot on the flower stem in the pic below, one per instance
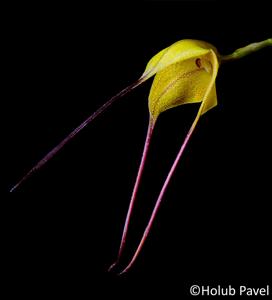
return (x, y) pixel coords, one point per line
(251, 48)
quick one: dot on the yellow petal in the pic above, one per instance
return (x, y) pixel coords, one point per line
(210, 98)
(179, 51)
(185, 82)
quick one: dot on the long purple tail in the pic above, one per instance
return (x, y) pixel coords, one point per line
(55, 150)
(163, 190)
(134, 193)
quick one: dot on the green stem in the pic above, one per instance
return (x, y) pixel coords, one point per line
(251, 48)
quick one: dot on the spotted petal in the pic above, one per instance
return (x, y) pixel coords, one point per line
(186, 81)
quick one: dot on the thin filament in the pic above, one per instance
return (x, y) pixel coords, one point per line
(56, 149)
(159, 200)
(134, 193)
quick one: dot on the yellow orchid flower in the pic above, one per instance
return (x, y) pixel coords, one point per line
(185, 72)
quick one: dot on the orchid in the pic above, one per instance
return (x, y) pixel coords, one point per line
(185, 72)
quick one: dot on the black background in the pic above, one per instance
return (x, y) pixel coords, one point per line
(61, 229)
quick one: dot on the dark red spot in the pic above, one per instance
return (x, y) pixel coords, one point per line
(198, 62)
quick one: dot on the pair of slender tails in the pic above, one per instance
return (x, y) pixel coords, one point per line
(185, 72)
